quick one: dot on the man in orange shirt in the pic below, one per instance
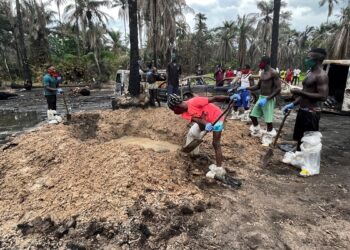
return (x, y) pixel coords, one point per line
(202, 112)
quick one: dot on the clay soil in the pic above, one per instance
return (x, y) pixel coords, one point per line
(75, 186)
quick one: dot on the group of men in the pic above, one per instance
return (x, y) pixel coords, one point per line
(291, 75)
(202, 111)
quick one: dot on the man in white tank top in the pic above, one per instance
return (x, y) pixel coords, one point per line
(246, 80)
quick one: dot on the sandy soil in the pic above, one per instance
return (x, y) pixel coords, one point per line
(77, 187)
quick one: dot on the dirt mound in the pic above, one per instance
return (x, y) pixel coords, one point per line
(82, 171)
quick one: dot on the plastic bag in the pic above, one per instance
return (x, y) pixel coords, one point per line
(311, 149)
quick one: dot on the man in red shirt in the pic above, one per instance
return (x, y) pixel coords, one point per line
(202, 112)
(229, 74)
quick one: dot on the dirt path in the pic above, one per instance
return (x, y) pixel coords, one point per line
(85, 190)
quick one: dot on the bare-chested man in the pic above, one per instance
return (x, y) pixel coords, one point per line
(315, 90)
(270, 86)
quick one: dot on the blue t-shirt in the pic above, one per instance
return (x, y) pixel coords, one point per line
(51, 82)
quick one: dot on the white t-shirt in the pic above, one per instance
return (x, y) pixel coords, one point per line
(245, 81)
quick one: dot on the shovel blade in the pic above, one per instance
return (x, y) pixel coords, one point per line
(267, 157)
(69, 117)
(191, 146)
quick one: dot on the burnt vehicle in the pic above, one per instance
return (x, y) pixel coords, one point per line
(202, 86)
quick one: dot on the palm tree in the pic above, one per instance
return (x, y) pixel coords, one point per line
(134, 80)
(160, 19)
(85, 12)
(36, 19)
(264, 26)
(201, 37)
(245, 33)
(340, 46)
(27, 74)
(275, 30)
(59, 3)
(91, 18)
(330, 6)
(122, 14)
(226, 34)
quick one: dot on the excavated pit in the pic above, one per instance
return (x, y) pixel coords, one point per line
(118, 174)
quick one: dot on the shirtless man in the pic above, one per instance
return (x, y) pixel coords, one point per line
(315, 90)
(270, 86)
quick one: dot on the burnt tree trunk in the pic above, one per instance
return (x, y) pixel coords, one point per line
(275, 31)
(134, 80)
(26, 70)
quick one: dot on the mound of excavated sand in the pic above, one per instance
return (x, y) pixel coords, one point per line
(83, 171)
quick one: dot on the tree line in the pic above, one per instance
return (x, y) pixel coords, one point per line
(76, 37)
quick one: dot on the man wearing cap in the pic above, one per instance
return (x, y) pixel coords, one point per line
(202, 112)
(315, 90)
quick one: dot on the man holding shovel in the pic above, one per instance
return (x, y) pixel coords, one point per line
(50, 87)
(315, 90)
(270, 86)
(203, 113)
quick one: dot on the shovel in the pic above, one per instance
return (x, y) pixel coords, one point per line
(196, 142)
(69, 116)
(269, 153)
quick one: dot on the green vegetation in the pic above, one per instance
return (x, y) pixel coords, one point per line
(76, 38)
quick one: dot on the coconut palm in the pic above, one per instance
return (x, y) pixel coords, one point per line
(245, 34)
(227, 33)
(59, 3)
(122, 13)
(330, 6)
(200, 38)
(36, 18)
(340, 47)
(160, 18)
(264, 26)
(87, 12)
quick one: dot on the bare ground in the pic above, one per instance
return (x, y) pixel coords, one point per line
(76, 187)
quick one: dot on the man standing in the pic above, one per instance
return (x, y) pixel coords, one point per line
(199, 72)
(219, 76)
(295, 76)
(202, 112)
(315, 90)
(151, 78)
(270, 86)
(246, 81)
(51, 87)
(229, 74)
(173, 73)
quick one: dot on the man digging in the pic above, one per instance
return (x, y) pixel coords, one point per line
(315, 90)
(270, 86)
(202, 112)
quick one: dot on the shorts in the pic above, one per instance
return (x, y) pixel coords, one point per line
(266, 111)
(219, 126)
(245, 100)
(306, 121)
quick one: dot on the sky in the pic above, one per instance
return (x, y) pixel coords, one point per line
(304, 12)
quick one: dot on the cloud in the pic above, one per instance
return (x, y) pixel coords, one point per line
(304, 12)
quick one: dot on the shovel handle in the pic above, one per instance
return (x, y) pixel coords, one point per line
(280, 128)
(65, 103)
(220, 116)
